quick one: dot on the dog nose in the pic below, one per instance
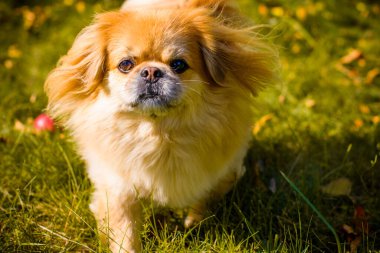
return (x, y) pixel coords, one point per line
(151, 74)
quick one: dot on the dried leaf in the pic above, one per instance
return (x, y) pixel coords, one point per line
(29, 17)
(68, 2)
(260, 123)
(19, 126)
(8, 64)
(354, 244)
(263, 10)
(358, 123)
(353, 55)
(309, 103)
(360, 220)
(301, 13)
(376, 119)
(371, 75)
(347, 229)
(281, 99)
(338, 187)
(364, 109)
(14, 52)
(80, 7)
(277, 11)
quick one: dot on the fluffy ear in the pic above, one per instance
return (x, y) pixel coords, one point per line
(235, 51)
(79, 73)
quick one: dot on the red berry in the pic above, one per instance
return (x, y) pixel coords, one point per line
(43, 123)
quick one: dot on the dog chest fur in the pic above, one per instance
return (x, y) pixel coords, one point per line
(131, 155)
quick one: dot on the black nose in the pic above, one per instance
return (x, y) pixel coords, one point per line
(151, 74)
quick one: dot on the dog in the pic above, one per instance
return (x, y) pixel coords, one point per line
(158, 98)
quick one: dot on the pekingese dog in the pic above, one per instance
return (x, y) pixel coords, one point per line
(158, 97)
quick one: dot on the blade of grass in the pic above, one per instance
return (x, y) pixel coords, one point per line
(319, 214)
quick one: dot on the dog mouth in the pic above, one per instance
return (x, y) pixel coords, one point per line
(151, 100)
(156, 96)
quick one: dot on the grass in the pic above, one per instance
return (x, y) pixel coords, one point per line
(320, 124)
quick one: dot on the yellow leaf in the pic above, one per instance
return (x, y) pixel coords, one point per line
(361, 7)
(277, 11)
(353, 55)
(358, 123)
(364, 109)
(263, 10)
(309, 103)
(281, 99)
(296, 49)
(301, 13)
(14, 52)
(68, 2)
(362, 63)
(33, 98)
(19, 126)
(338, 187)
(371, 75)
(29, 17)
(80, 6)
(376, 120)
(260, 123)
(8, 64)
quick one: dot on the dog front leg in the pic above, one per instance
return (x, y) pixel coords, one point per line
(119, 220)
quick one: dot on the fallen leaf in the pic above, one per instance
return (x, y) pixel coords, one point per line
(338, 187)
(371, 75)
(68, 2)
(347, 229)
(350, 73)
(8, 64)
(277, 11)
(362, 63)
(301, 13)
(260, 123)
(376, 119)
(14, 52)
(80, 7)
(360, 220)
(33, 98)
(309, 103)
(353, 55)
(364, 109)
(29, 17)
(296, 48)
(19, 126)
(263, 10)
(358, 123)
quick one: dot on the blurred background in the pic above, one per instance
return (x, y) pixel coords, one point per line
(320, 126)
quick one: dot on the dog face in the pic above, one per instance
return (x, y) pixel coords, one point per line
(154, 66)
(155, 62)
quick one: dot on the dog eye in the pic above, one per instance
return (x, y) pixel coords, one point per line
(125, 66)
(179, 66)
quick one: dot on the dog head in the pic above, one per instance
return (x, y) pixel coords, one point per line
(153, 62)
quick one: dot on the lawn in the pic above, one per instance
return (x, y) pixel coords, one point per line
(320, 127)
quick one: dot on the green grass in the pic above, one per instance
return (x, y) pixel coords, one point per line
(323, 126)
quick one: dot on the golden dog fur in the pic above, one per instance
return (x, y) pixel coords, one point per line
(177, 156)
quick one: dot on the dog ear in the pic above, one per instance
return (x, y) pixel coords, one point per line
(80, 72)
(231, 50)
